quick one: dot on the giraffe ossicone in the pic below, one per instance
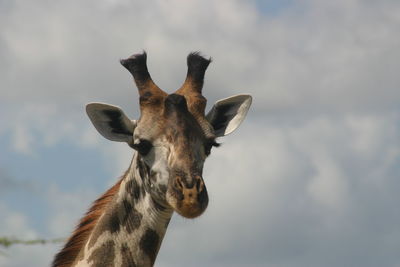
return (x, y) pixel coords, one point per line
(172, 139)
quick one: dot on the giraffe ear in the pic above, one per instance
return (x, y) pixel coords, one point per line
(227, 114)
(111, 122)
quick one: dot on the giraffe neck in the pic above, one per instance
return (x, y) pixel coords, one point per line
(130, 231)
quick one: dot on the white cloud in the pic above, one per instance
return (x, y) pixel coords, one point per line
(317, 179)
(22, 255)
(22, 140)
(15, 224)
(66, 208)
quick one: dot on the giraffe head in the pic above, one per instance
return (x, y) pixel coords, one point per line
(173, 136)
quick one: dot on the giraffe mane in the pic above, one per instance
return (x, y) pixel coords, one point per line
(79, 237)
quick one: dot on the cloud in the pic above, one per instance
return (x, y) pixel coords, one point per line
(15, 224)
(64, 210)
(317, 179)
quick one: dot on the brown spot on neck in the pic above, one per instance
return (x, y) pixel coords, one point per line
(109, 222)
(127, 257)
(149, 243)
(103, 255)
(131, 217)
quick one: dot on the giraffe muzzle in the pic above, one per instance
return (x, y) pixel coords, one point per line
(190, 196)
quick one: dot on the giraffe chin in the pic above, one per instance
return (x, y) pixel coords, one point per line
(190, 211)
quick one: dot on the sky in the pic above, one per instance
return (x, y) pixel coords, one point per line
(310, 178)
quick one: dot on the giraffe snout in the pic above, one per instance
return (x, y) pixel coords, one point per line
(191, 196)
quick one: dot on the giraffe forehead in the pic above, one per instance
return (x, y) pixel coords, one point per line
(170, 127)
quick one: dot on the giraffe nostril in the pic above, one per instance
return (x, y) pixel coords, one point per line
(179, 184)
(199, 184)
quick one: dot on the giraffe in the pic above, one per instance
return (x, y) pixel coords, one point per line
(172, 139)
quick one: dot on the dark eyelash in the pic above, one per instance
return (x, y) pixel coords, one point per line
(215, 143)
(209, 145)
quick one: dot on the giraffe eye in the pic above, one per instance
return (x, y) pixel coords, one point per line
(143, 147)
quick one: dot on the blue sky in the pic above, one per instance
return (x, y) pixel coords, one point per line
(319, 152)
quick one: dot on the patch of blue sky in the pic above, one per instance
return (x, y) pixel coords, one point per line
(273, 7)
(66, 166)
(32, 205)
